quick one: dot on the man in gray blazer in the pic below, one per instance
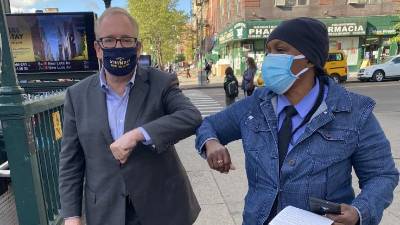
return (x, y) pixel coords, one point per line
(120, 128)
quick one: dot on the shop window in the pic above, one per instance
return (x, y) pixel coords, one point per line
(369, 2)
(335, 57)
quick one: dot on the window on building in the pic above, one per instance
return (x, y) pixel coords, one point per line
(368, 2)
(372, 2)
(291, 3)
(237, 7)
(222, 7)
(302, 2)
(228, 8)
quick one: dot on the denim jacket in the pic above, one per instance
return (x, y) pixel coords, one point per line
(343, 134)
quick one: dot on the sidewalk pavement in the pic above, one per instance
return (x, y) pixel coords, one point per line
(221, 196)
(193, 82)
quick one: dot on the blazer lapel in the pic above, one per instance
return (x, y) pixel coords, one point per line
(99, 97)
(137, 97)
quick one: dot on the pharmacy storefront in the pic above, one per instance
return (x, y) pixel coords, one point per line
(345, 35)
(244, 39)
(361, 38)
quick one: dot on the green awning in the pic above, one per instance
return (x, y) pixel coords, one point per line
(337, 27)
(382, 25)
(250, 29)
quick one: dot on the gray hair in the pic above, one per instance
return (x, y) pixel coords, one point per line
(115, 11)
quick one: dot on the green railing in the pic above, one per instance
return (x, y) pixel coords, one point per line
(32, 130)
(32, 133)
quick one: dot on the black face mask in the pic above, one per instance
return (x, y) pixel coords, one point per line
(119, 61)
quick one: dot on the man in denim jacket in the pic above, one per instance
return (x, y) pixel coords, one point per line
(303, 134)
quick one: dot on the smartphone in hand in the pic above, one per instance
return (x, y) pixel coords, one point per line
(322, 207)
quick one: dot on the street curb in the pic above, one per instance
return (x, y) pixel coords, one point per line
(207, 86)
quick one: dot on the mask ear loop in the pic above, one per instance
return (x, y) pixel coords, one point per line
(299, 57)
(303, 70)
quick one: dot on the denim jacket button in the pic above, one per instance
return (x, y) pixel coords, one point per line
(292, 162)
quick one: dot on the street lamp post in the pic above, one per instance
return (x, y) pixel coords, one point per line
(10, 91)
(6, 6)
(107, 3)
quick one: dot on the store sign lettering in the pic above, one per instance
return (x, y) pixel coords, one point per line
(226, 37)
(383, 32)
(261, 31)
(346, 29)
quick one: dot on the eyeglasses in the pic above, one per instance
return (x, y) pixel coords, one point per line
(111, 42)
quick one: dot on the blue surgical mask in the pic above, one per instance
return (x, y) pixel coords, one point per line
(277, 74)
(119, 61)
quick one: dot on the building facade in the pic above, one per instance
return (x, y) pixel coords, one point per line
(361, 28)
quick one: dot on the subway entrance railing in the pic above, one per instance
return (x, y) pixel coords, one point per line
(30, 141)
(32, 132)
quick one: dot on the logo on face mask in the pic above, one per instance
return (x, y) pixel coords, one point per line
(277, 74)
(119, 61)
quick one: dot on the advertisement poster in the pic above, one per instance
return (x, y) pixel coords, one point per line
(51, 42)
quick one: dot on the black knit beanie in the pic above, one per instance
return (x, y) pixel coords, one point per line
(309, 36)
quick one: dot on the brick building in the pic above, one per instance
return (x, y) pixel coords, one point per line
(239, 28)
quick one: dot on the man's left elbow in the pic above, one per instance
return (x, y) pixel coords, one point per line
(198, 118)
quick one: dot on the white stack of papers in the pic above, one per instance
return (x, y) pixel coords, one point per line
(295, 216)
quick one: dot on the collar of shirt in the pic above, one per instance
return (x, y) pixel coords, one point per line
(304, 106)
(103, 82)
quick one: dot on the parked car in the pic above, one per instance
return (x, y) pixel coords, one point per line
(387, 70)
(336, 65)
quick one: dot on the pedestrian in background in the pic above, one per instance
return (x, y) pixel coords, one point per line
(231, 86)
(207, 69)
(188, 75)
(248, 77)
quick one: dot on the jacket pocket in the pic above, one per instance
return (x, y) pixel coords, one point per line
(330, 145)
(256, 135)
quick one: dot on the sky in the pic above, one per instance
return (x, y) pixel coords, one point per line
(76, 5)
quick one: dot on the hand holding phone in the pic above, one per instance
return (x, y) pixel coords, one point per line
(322, 207)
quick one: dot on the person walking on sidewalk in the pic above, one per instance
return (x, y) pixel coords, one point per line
(120, 127)
(303, 135)
(188, 75)
(207, 69)
(231, 86)
(248, 77)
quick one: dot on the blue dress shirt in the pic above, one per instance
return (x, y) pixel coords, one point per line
(117, 106)
(303, 108)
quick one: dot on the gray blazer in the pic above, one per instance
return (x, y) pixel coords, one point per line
(153, 176)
